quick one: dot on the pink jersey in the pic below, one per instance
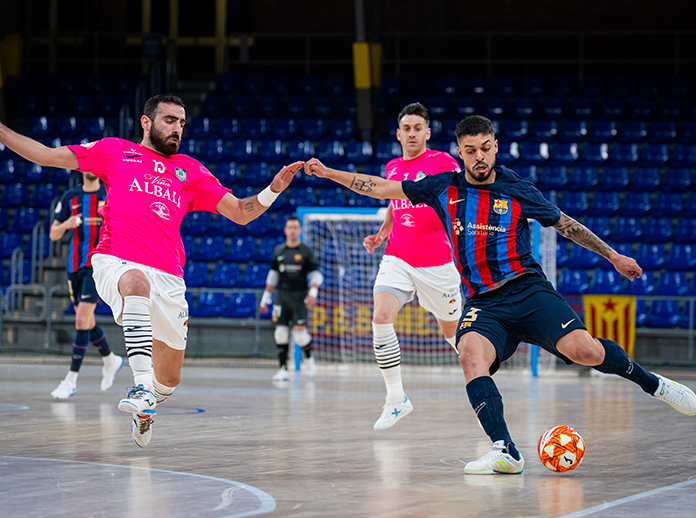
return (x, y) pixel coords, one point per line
(147, 197)
(417, 236)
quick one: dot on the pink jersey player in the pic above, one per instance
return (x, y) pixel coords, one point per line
(148, 197)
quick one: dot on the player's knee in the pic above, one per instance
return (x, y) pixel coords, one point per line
(282, 335)
(589, 352)
(302, 338)
(382, 317)
(134, 282)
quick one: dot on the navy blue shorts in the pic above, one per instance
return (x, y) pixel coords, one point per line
(289, 307)
(526, 309)
(82, 287)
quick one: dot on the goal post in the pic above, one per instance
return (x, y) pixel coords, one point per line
(341, 321)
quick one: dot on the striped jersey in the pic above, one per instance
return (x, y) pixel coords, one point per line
(486, 224)
(77, 202)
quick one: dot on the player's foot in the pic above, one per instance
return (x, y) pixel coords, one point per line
(310, 367)
(498, 460)
(679, 396)
(64, 390)
(139, 401)
(112, 364)
(281, 375)
(391, 413)
(141, 429)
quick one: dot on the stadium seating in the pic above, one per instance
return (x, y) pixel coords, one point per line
(651, 256)
(605, 282)
(667, 204)
(581, 257)
(225, 275)
(663, 313)
(599, 225)
(645, 179)
(671, 283)
(239, 305)
(635, 204)
(657, 230)
(677, 180)
(626, 230)
(681, 257)
(195, 274)
(209, 305)
(685, 231)
(254, 275)
(573, 282)
(574, 203)
(643, 285)
(24, 220)
(210, 249)
(8, 242)
(605, 204)
(195, 223)
(240, 249)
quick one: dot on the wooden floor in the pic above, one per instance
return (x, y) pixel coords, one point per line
(230, 443)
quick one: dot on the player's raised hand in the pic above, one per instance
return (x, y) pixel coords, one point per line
(372, 242)
(310, 301)
(627, 266)
(315, 168)
(285, 176)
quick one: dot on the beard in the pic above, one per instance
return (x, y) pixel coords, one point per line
(162, 142)
(90, 177)
(480, 176)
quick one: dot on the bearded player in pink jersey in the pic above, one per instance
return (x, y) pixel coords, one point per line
(138, 264)
(418, 259)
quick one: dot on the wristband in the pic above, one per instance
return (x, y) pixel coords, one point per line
(313, 292)
(265, 298)
(267, 196)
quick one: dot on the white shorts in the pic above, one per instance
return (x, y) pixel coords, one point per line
(438, 287)
(168, 306)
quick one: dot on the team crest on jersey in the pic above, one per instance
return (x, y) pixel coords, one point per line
(420, 175)
(298, 258)
(500, 206)
(465, 325)
(181, 174)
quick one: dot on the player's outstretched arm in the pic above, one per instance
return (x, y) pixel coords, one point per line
(374, 241)
(243, 211)
(361, 183)
(583, 236)
(61, 157)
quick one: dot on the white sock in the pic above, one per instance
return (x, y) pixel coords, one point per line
(452, 341)
(71, 378)
(137, 331)
(162, 391)
(388, 355)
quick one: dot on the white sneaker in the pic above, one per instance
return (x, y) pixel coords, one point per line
(64, 390)
(310, 367)
(112, 364)
(281, 375)
(139, 401)
(498, 460)
(391, 413)
(679, 396)
(141, 429)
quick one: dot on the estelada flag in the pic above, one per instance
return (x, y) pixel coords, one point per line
(612, 317)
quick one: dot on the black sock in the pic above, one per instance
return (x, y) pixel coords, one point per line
(307, 350)
(488, 406)
(98, 339)
(283, 354)
(79, 349)
(616, 361)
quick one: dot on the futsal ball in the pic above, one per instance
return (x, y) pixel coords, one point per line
(561, 448)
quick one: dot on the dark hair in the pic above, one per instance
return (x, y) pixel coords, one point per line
(414, 109)
(474, 125)
(153, 103)
(293, 218)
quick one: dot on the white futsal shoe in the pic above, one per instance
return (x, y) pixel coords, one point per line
(139, 401)
(112, 364)
(141, 429)
(281, 375)
(498, 460)
(64, 390)
(310, 367)
(679, 396)
(391, 413)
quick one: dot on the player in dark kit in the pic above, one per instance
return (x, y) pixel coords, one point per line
(292, 262)
(484, 210)
(77, 212)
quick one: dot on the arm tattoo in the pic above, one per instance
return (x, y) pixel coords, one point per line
(362, 185)
(249, 204)
(581, 235)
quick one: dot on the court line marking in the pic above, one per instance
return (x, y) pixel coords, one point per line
(268, 503)
(608, 505)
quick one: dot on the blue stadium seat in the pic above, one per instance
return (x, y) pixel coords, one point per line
(330, 151)
(633, 132)
(272, 150)
(387, 150)
(498, 108)
(624, 155)
(29, 245)
(514, 130)
(299, 106)
(621, 248)
(643, 285)
(358, 200)
(190, 147)
(299, 197)
(605, 204)
(689, 210)
(9, 171)
(684, 155)
(563, 85)
(210, 249)
(564, 153)
(672, 283)
(215, 150)
(687, 135)
(285, 84)
(209, 305)
(340, 84)
(254, 275)
(241, 249)
(195, 223)
(257, 84)
(3, 219)
(603, 131)
(200, 128)
(645, 179)
(195, 274)
(15, 195)
(677, 180)
(528, 172)
(242, 151)
(327, 107)
(584, 108)
(257, 227)
(651, 256)
(573, 131)
(94, 128)
(612, 108)
(438, 106)
(581, 257)
(313, 84)
(635, 204)
(256, 128)
(574, 203)
(358, 152)
(227, 172)
(243, 106)
(240, 305)
(189, 245)
(332, 197)
(25, 219)
(544, 131)
(285, 129)
(465, 106)
(225, 275)
(43, 195)
(685, 231)
(300, 150)
(626, 230)
(583, 179)
(667, 204)
(341, 129)
(654, 155)
(267, 245)
(663, 314)
(508, 153)
(228, 129)
(642, 109)
(221, 226)
(271, 106)
(534, 153)
(257, 173)
(215, 105)
(663, 132)
(657, 230)
(40, 126)
(649, 86)
(554, 108)
(553, 178)
(605, 282)
(599, 225)
(573, 282)
(681, 256)
(525, 107)
(686, 315)
(561, 254)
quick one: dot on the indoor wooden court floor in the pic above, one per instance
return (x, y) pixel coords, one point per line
(230, 443)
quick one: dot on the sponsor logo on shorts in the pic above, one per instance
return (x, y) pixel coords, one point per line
(465, 325)
(563, 326)
(183, 314)
(160, 209)
(452, 312)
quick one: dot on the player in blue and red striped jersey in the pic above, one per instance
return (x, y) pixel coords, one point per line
(77, 213)
(484, 210)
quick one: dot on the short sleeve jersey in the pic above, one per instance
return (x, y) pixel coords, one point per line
(293, 265)
(85, 237)
(148, 196)
(486, 224)
(417, 236)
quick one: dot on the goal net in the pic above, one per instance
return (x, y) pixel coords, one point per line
(341, 321)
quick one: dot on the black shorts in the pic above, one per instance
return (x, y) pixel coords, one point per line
(289, 306)
(81, 286)
(526, 309)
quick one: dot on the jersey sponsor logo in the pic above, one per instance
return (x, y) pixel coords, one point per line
(480, 229)
(457, 226)
(405, 204)
(407, 220)
(157, 190)
(500, 206)
(289, 268)
(132, 155)
(281, 257)
(158, 180)
(181, 174)
(161, 210)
